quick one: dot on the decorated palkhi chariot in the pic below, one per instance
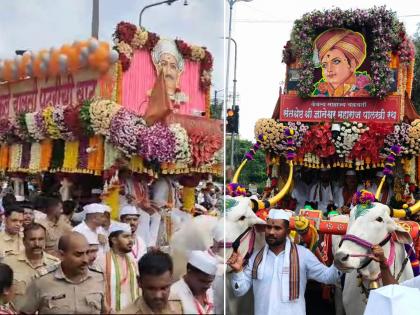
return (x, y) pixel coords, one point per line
(83, 112)
(346, 109)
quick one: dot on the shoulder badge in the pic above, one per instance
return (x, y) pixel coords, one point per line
(46, 270)
(96, 268)
(52, 258)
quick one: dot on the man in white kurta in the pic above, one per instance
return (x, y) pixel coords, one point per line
(92, 223)
(195, 288)
(272, 286)
(120, 269)
(130, 215)
(323, 192)
(301, 189)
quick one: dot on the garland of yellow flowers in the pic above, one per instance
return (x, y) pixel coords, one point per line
(188, 198)
(71, 156)
(51, 126)
(410, 78)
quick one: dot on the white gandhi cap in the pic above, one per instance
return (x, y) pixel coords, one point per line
(277, 214)
(95, 208)
(393, 299)
(118, 226)
(204, 261)
(129, 210)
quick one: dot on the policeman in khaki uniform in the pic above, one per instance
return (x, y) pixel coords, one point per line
(26, 264)
(54, 225)
(11, 238)
(155, 279)
(71, 287)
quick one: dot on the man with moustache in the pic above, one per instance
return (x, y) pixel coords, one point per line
(54, 227)
(26, 265)
(279, 271)
(71, 287)
(120, 268)
(155, 279)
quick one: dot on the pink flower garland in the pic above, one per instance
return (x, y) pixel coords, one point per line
(124, 130)
(156, 143)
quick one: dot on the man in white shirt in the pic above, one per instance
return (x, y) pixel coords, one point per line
(94, 217)
(195, 288)
(130, 215)
(301, 188)
(279, 271)
(323, 192)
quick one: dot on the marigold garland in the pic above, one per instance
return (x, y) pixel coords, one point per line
(46, 154)
(71, 155)
(51, 127)
(4, 156)
(96, 154)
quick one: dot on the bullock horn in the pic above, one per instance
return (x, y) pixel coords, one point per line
(264, 204)
(248, 156)
(378, 191)
(238, 172)
(406, 211)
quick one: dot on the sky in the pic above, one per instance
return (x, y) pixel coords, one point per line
(261, 29)
(39, 24)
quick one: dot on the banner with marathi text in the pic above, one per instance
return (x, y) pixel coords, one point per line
(360, 109)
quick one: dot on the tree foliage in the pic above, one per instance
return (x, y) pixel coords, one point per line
(255, 170)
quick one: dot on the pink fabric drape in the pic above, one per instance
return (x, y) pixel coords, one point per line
(141, 76)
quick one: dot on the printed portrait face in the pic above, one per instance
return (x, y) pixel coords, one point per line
(337, 68)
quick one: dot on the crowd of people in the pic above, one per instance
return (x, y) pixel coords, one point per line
(72, 257)
(331, 191)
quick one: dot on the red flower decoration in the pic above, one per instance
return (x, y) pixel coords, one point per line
(125, 62)
(317, 140)
(183, 48)
(204, 146)
(371, 142)
(152, 40)
(125, 32)
(207, 62)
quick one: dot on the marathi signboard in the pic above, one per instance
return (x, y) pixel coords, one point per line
(34, 94)
(360, 109)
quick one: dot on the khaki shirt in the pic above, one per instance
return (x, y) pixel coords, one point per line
(10, 244)
(140, 307)
(53, 293)
(24, 272)
(54, 232)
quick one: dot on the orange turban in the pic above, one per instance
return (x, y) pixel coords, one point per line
(352, 44)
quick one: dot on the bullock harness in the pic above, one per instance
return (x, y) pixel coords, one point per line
(248, 233)
(369, 257)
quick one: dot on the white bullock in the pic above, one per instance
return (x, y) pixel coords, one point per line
(366, 228)
(204, 232)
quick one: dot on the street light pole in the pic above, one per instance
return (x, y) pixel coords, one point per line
(168, 2)
(95, 19)
(231, 3)
(232, 138)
